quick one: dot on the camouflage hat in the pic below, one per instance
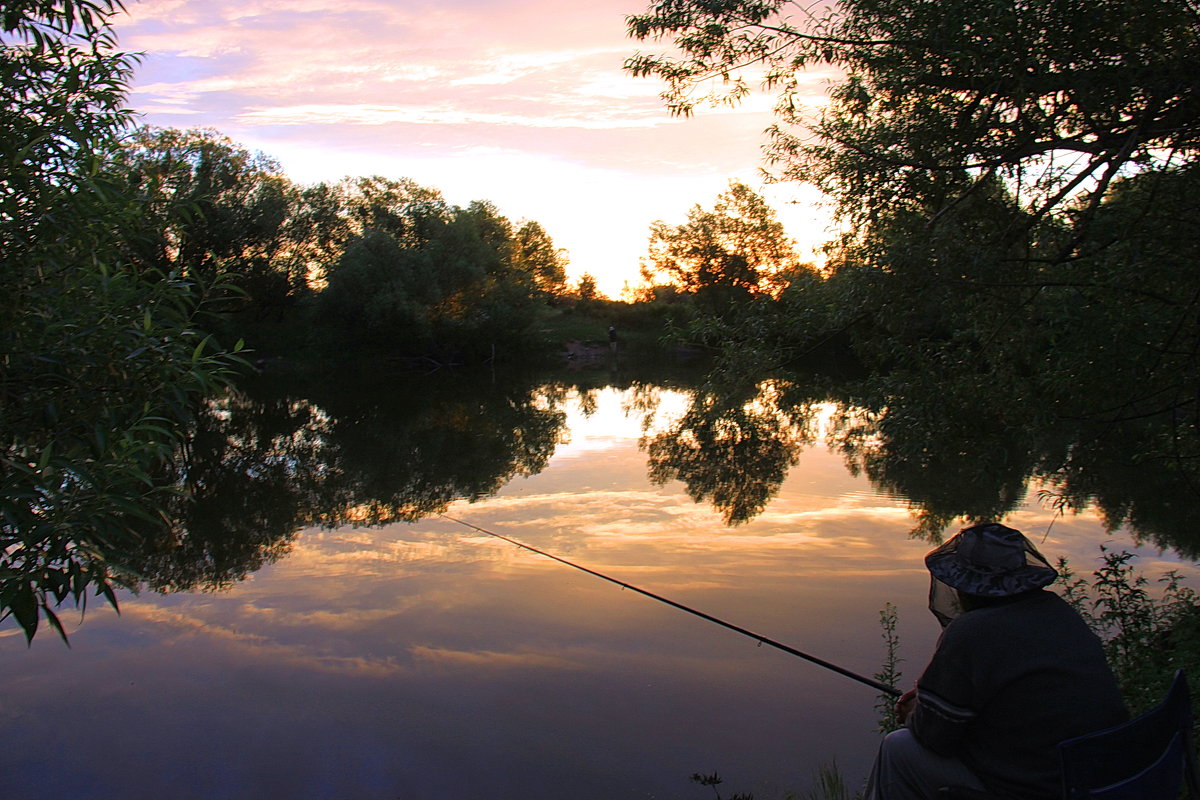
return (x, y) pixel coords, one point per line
(990, 560)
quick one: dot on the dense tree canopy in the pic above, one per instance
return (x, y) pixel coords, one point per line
(382, 265)
(1010, 177)
(212, 208)
(536, 256)
(418, 277)
(736, 250)
(1058, 95)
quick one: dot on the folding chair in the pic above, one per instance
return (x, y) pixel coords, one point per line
(1150, 757)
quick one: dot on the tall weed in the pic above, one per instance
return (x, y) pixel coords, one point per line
(889, 672)
(1147, 635)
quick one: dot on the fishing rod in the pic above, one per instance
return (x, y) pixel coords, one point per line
(820, 662)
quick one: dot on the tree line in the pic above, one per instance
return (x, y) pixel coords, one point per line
(373, 264)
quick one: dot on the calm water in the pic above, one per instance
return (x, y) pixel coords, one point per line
(423, 660)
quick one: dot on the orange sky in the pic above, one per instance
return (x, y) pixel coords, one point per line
(521, 102)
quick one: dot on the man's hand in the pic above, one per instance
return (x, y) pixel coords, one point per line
(905, 704)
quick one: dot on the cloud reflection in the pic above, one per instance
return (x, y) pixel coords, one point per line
(426, 660)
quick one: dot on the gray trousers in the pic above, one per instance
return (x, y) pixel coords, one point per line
(905, 770)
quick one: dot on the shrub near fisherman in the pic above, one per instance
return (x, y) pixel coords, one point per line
(1015, 672)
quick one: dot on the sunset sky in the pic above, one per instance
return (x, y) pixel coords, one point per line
(520, 102)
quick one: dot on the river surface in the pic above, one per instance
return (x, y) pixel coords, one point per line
(425, 660)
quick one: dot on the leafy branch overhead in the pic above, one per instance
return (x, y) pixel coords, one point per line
(1059, 97)
(1015, 185)
(103, 354)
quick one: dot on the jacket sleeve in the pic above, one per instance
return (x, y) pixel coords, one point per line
(939, 724)
(946, 706)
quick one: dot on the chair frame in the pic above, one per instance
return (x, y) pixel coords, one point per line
(1156, 741)
(1095, 765)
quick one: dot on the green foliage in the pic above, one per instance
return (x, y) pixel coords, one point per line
(934, 90)
(830, 785)
(803, 328)
(586, 289)
(1147, 635)
(62, 89)
(723, 256)
(535, 255)
(370, 295)
(418, 278)
(101, 355)
(1016, 185)
(211, 208)
(380, 266)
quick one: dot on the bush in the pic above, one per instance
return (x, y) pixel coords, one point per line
(1147, 636)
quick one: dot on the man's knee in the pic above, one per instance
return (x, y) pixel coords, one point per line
(907, 769)
(900, 746)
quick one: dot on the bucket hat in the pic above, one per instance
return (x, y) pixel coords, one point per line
(990, 560)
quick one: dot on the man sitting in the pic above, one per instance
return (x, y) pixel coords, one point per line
(1015, 672)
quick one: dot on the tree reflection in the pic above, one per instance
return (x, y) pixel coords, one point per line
(951, 452)
(261, 465)
(948, 460)
(406, 452)
(369, 452)
(732, 451)
(1136, 473)
(965, 455)
(254, 470)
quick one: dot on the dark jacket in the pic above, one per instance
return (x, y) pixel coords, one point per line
(1006, 684)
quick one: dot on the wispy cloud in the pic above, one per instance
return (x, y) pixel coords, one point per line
(366, 114)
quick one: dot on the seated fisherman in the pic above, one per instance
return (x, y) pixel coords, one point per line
(1015, 672)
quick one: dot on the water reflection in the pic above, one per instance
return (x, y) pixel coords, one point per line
(949, 463)
(264, 463)
(404, 452)
(394, 654)
(970, 457)
(733, 452)
(255, 468)
(950, 458)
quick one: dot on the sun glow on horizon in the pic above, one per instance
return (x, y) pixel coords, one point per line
(521, 103)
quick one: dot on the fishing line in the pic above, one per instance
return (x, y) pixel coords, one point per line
(880, 687)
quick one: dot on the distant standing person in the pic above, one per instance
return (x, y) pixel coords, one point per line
(612, 338)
